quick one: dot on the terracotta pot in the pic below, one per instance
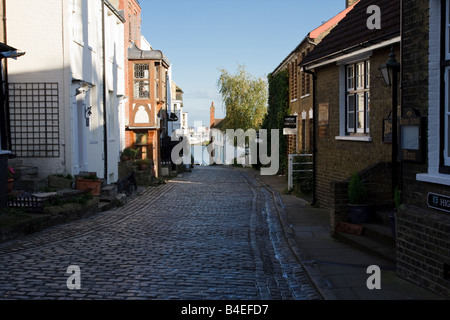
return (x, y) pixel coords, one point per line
(92, 185)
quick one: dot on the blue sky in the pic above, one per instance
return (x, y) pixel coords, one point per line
(199, 37)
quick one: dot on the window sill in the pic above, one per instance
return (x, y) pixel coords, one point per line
(354, 138)
(436, 178)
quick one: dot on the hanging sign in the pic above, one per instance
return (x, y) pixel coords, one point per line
(290, 125)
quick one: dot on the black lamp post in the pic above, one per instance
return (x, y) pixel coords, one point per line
(390, 70)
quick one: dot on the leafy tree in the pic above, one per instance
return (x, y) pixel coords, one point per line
(278, 108)
(245, 99)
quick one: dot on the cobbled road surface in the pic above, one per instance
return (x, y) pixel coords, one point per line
(213, 234)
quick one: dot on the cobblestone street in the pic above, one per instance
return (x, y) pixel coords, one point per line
(212, 234)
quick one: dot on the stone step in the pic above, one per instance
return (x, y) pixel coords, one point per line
(32, 183)
(109, 190)
(15, 162)
(22, 171)
(376, 237)
(369, 245)
(379, 232)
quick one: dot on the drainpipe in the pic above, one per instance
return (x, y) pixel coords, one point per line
(4, 89)
(105, 117)
(314, 77)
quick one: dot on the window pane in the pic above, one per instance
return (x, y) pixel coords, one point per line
(367, 112)
(360, 75)
(141, 90)
(141, 71)
(447, 118)
(368, 74)
(360, 109)
(351, 113)
(350, 76)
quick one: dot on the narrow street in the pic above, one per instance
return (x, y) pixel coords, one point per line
(213, 234)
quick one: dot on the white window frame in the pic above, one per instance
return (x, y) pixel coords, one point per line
(434, 98)
(357, 86)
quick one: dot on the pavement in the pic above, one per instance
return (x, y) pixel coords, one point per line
(338, 270)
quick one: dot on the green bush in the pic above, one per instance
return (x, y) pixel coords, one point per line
(357, 192)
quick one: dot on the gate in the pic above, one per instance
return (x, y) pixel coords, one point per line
(300, 164)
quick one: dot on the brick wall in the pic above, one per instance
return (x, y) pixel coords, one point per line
(337, 160)
(130, 8)
(423, 245)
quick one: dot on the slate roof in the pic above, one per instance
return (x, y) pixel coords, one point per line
(316, 33)
(352, 32)
(134, 53)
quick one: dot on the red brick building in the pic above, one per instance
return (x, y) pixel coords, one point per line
(352, 103)
(300, 84)
(132, 35)
(423, 222)
(147, 80)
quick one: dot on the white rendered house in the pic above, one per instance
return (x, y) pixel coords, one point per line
(67, 93)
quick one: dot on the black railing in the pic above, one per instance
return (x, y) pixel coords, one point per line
(35, 203)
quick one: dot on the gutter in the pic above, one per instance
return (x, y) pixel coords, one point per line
(336, 56)
(314, 76)
(105, 127)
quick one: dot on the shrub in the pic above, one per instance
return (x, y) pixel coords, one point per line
(357, 192)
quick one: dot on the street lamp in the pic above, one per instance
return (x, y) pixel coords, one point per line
(390, 70)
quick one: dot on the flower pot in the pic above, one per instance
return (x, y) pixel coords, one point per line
(360, 213)
(10, 185)
(92, 185)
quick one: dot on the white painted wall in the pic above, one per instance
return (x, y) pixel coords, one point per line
(63, 44)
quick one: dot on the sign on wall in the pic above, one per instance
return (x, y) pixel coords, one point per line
(323, 119)
(411, 127)
(438, 202)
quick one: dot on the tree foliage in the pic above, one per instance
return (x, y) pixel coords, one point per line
(245, 99)
(278, 108)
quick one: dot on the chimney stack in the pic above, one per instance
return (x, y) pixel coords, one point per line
(349, 3)
(212, 115)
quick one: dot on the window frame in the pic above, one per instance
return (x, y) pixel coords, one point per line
(139, 80)
(357, 90)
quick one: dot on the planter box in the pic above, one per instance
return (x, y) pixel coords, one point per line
(92, 185)
(59, 182)
(360, 213)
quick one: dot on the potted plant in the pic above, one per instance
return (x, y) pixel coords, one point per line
(359, 208)
(10, 179)
(90, 182)
(143, 164)
(129, 154)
